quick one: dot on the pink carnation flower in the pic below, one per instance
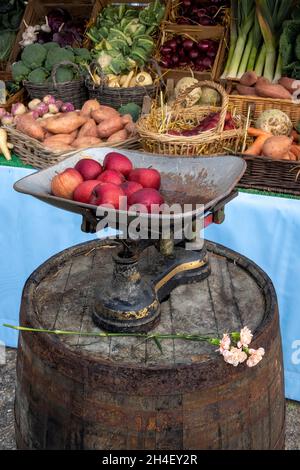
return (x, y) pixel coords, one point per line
(255, 357)
(245, 338)
(224, 344)
(235, 356)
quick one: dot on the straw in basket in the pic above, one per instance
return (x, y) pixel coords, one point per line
(154, 127)
(73, 91)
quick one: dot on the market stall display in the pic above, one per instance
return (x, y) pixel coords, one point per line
(11, 14)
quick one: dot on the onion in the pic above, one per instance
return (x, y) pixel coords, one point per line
(164, 63)
(207, 62)
(188, 44)
(194, 54)
(165, 50)
(204, 45)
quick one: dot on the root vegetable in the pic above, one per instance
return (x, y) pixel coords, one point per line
(248, 79)
(3, 144)
(59, 147)
(119, 136)
(295, 149)
(89, 129)
(34, 103)
(30, 127)
(88, 107)
(265, 89)
(253, 132)
(257, 146)
(84, 142)
(276, 147)
(64, 124)
(67, 108)
(7, 119)
(290, 84)
(59, 138)
(110, 126)
(104, 113)
(246, 90)
(18, 109)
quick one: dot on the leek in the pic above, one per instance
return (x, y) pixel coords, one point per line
(278, 72)
(246, 11)
(257, 39)
(233, 36)
(271, 14)
(246, 55)
(260, 63)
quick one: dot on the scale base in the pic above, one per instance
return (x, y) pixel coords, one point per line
(130, 300)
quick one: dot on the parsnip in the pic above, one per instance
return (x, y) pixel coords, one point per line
(3, 144)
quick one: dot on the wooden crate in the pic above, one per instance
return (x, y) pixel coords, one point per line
(215, 73)
(36, 11)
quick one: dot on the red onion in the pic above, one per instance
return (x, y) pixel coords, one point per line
(188, 44)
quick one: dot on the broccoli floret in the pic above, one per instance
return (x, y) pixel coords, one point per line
(34, 55)
(82, 55)
(38, 75)
(64, 74)
(19, 71)
(131, 108)
(56, 55)
(50, 45)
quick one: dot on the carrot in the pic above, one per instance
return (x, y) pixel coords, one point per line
(253, 132)
(257, 146)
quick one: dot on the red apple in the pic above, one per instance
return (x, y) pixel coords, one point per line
(84, 191)
(147, 177)
(147, 197)
(111, 176)
(130, 187)
(117, 161)
(88, 168)
(65, 183)
(107, 194)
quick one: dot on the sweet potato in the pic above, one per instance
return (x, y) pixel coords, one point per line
(26, 124)
(277, 147)
(126, 119)
(295, 149)
(266, 89)
(84, 142)
(246, 90)
(248, 79)
(60, 138)
(110, 126)
(88, 107)
(58, 147)
(130, 128)
(290, 84)
(103, 113)
(88, 129)
(119, 136)
(65, 124)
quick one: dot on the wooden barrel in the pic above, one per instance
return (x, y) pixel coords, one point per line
(121, 393)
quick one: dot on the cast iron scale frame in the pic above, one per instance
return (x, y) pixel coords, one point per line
(130, 302)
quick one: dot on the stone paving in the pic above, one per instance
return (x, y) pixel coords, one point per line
(7, 384)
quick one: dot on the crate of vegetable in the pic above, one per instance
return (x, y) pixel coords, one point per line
(49, 129)
(193, 15)
(122, 43)
(179, 53)
(11, 14)
(48, 21)
(188, 129)
(272, 154)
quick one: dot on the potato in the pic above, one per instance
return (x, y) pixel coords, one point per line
(88, 129)
(119, 136)
(103, 113)
(65, 124)
(110, 126)
(84, 142)
(58, 146)
(249, 79)
(26, 124)
(88, 107)
(60, 138)
(277, 147)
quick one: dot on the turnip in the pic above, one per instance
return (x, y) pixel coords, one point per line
(18, 109)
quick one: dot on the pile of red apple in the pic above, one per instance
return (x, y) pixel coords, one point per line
(90, 182)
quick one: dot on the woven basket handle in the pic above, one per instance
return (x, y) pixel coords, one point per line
(56, 67)
(206, 83)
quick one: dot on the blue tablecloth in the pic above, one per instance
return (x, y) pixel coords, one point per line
(266, 229)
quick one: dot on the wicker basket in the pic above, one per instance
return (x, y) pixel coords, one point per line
(213, 142)
(117, 97)
(33, 153)
(74, 91)
(201, 33)
(265, 174)
(258, 105)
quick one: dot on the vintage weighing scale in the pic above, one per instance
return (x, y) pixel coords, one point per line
(130, 301)
(123, 392)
